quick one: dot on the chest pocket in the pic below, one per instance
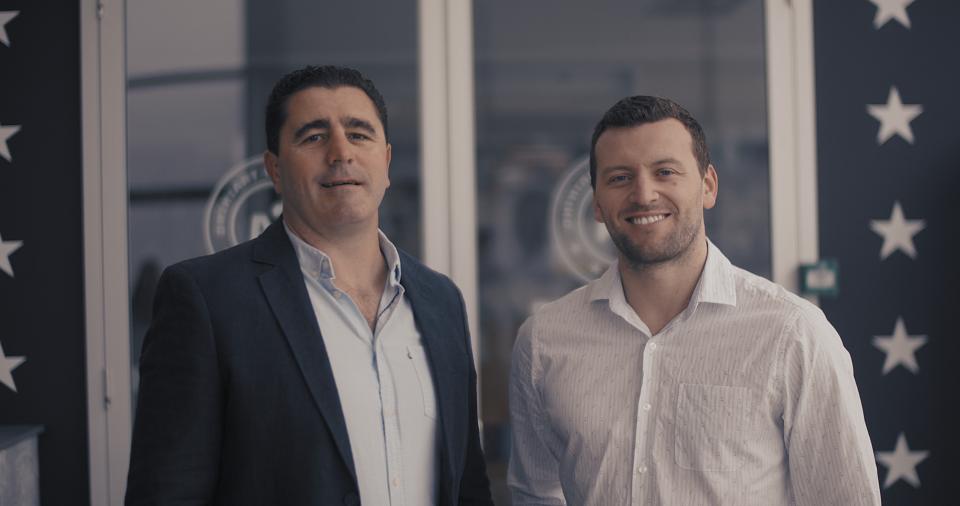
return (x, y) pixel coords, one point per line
(417, 358)
(713, 427)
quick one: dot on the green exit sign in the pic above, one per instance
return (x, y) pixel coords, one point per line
(821, 278)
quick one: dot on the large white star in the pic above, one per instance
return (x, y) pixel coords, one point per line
(901, 463)
(894, 117)
(891, 9)
(6, 249)
(5, 17)
(897, 232)
(900, 348)
(7, 365)
(7, 132)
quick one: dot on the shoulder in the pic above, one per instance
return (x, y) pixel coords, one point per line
(803, 323)
(214, 265)
(570, 312)
(424, 277)
(756, 292)
(574, 304)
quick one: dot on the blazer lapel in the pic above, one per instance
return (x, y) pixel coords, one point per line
(438, 331)
(287, 295)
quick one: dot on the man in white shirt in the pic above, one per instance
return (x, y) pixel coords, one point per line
(677, 378)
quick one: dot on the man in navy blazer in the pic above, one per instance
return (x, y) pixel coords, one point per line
(315, 364)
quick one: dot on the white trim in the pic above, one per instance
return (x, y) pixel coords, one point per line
(463, 159)
(105, 248)
(448, 146)
(434, 156)
(792, 123)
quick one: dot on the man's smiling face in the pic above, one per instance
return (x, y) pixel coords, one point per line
(332, 164)
(650, 192)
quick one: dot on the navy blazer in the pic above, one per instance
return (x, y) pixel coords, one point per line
(237, 401)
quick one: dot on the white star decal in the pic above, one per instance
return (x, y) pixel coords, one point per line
(900, 348)
(5, 17)
(901, 463)
(7, 132)
(897, 232)
(6, 249)
(891, 9)
(7, 365)
(894, 117)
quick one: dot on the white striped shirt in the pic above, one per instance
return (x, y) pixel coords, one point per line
(746, 397)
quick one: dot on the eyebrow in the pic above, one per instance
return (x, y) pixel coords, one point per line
(362, 124)
(667, 160)
(318, 124)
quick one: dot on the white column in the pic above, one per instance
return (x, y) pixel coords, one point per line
(793, 142)
(105, 248)
(448, 146)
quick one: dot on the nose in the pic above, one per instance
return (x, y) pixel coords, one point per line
(339, 149)
(644, 190)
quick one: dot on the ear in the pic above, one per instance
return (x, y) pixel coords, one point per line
(710, 187)
(389, 157)
(597, 215)
(272, 164)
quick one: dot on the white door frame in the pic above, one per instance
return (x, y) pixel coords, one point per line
(103, 95)
(448, 173)
(791, 109)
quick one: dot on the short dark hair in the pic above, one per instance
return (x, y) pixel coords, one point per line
(641, 109)
(325, 76)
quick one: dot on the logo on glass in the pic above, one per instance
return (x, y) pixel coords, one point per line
(241, 207)
(582, 244)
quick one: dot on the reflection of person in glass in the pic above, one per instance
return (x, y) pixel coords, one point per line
(315, 364)
(677, 378)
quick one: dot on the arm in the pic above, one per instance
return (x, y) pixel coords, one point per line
(176, 435)
(534, 477)
(474, 484)
(830, 456)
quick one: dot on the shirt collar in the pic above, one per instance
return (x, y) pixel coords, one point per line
(317, 264)
(716, 285)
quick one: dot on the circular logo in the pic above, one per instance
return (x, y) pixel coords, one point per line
(241, 207)
(582, 244)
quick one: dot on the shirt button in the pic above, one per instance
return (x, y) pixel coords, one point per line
(336, 295)
(641, 469)
(646, 407)
(653, 346)
(396, 482)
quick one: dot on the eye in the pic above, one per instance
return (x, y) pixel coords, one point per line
(358, 136)
(618, 178)
(314, 138)
(665, 171)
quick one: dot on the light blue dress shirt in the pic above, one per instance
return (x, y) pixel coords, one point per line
(383, 380)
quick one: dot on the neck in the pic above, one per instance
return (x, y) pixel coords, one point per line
(353, 251)
(659, 292)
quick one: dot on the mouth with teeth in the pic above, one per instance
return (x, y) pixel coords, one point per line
(335, 184)
(647, 220)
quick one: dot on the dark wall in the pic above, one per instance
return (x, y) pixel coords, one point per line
(860, 180)
(41, 305)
